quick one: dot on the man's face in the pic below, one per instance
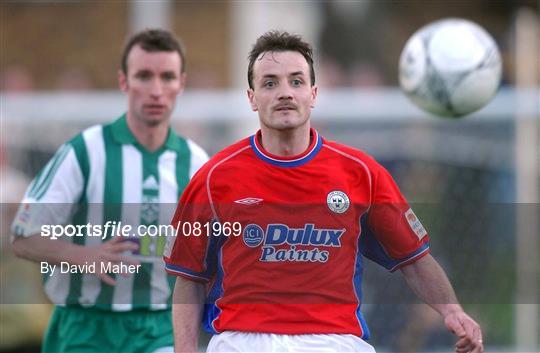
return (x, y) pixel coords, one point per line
(282, 91)
(152, 83)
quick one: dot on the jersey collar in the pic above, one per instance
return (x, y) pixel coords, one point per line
(292, 161)
(122, 134)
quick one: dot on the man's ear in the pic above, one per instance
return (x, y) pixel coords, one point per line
(314, 90)
(251, 97)
(122, 81)
(183, 81)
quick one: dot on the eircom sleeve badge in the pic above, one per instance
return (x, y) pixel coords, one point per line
(415, 224)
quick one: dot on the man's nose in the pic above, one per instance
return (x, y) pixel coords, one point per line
(156, 88)
(284, 92)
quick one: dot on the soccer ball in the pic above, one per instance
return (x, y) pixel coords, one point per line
(450, 67)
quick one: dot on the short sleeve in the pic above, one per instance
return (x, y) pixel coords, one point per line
(392, 235)
(189, 252)
(52, 195)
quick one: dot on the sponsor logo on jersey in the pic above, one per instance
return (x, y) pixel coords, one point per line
(298, 242)
(150, 183)
(253, 235)
(24, 213)
(415, 224)
(338, 201)
(249, 201)
(149, 208)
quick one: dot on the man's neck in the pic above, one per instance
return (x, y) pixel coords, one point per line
(148, 136)
(286, 143)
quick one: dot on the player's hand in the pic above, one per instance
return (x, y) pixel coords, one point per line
(111, 252)
(468, 331)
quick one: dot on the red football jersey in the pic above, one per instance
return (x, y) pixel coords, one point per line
(280, 240)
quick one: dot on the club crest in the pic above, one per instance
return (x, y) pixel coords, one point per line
(337, 201)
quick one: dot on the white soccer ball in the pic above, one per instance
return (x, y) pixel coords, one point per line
(450, 67)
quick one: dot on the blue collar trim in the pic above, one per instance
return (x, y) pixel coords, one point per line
(287, 163)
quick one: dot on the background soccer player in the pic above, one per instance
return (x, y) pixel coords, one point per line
(126, 171)
(310, 209)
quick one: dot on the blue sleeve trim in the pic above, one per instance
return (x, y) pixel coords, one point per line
(179, 270)
(418, 253)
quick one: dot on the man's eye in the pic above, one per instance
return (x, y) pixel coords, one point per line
(143, 75)
(296, 82)
(269, 84)
(169, 77)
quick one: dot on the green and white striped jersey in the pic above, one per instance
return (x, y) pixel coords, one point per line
(103, 174)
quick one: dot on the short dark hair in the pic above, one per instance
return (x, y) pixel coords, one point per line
(280, 41)
(154, 40)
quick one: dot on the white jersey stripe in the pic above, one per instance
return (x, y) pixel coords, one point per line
(132, 178)
(168, 185)
(131, 183)
(198, 157)
(131, 207)
(93, 139)
(91, 286)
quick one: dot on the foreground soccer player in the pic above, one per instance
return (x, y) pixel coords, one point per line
(126, 171)
(309, 210)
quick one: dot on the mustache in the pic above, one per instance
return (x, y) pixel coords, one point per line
(154, 105)
(287, 105)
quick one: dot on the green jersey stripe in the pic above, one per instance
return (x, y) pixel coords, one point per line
(141, 286)
(112, 199)
(35, 182)
(112, 195)
(81, 153)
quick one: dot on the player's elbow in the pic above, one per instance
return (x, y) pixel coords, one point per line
(18, 247)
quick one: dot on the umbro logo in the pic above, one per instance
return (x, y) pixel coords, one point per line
(249, 201)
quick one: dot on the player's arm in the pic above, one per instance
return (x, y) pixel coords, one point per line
(50, 200)
(188, 299)
(430, 283)
(400, 241)
(37, 248)
(191, 259)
